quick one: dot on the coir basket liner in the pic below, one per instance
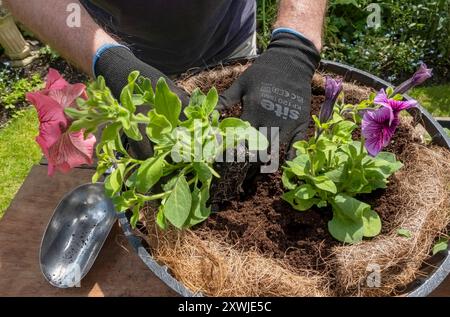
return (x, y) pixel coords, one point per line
(220, 259)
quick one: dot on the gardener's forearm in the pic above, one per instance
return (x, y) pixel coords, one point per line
(48, 20)
(304, 16)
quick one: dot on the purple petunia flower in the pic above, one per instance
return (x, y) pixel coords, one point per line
(396, 105)
(333, 89)
(421, 75)
(378, 127)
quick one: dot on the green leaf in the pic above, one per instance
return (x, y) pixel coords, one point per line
(178, 205)
(170, 184)
(161, 219)
(233, 123)
(132, 131)
(319, 160)
(74, 113)
(286, 178)
(317, 121)
(404, 233)
(324, 183)
(296, 168)
(305, 192)
(197, 98)
(298, 204)
(149, 173)
(113, 183)
(372, 223)
(199, 212)
(111, 132)
(235, 131)
(389, 91)
(210, 102)
(126, 97)
(167, 103)
(215, 116)
(158, 126)
(203, 171)
(79, 125)
(387, 162)
(440, 245)
(125, 201)
(343, 130)
(301, 147)
(145, 85)
(101, 169)
(193, 112)
(356, 181)
(347, 224)
(135, 217)
(337, 175)
(131, 180)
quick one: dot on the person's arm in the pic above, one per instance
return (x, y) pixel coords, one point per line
(48, 20)
(86, 46)
(276, 90)
(304, 16)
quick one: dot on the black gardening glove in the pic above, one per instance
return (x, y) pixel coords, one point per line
(276, 90)
(115, 64)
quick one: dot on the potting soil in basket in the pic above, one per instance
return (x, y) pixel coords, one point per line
(257, 245)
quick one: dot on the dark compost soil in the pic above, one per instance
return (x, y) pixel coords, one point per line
(261, 220)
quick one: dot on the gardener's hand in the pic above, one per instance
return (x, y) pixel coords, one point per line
(115, 63)
(276, 90)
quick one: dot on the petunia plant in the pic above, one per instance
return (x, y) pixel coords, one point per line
(64, 149)
(186, 144)
(333, 169)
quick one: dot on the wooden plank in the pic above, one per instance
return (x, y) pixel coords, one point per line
(118, 271)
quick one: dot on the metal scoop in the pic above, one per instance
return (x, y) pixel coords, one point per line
(75, 235)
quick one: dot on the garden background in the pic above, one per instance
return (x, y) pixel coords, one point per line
(410, 32)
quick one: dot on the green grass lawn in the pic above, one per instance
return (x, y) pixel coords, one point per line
(435, 99)
(18, 153)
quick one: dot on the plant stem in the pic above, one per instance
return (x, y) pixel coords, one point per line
(318, 134)
(329, 159)
(155, 197)
(311, 159)
(363, 143)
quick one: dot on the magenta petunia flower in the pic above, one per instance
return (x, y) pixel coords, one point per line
(396, 105)
(378, 127)
(64, 150)
(421, 75)
(333, 89)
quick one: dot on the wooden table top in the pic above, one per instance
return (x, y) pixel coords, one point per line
(118, 271)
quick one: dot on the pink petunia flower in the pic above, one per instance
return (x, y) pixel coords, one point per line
(64, 150)
(378, 128)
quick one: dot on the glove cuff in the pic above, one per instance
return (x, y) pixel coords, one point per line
(290, 31)
(102, 50)
(289, 38)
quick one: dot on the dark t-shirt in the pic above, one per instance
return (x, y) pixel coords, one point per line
(175, 35)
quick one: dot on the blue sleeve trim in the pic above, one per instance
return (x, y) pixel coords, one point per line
(290, 31)
(99, 53)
